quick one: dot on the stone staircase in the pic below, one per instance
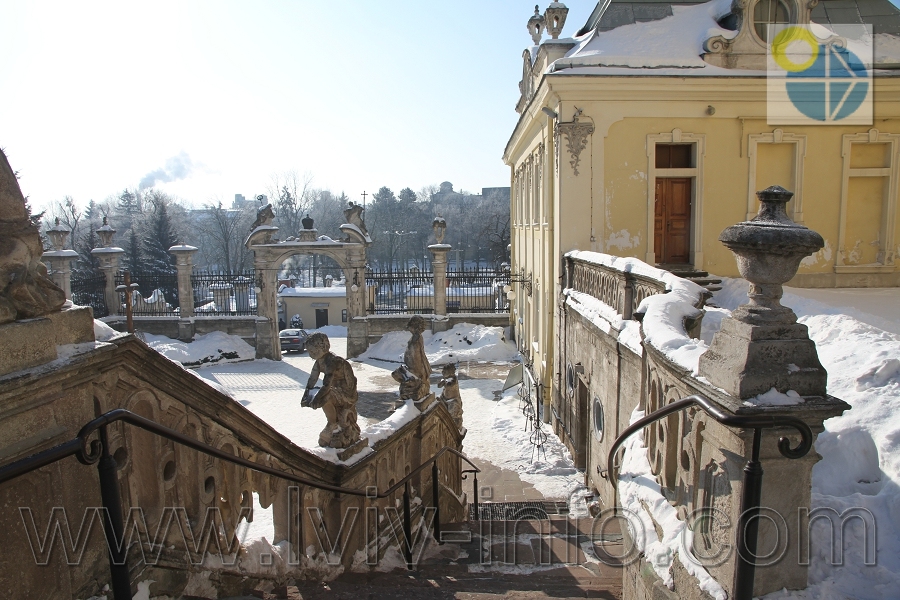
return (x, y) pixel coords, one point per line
(556, 557)
(701, 278)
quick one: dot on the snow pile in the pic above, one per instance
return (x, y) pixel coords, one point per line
(860, 466)
(103, 332)
(664, 314)
(205, 349)
(384, 429)
(464, 342)
(675, 41)
(640, 494)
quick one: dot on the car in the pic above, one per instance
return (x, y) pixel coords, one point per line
(293, 340)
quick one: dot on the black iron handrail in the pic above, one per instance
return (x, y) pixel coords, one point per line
(751, 491)
(90, 451)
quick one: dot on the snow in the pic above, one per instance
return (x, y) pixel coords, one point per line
(464, 342)
(673, 42)
(775, 398)
(103, 332)
(309, 292)
(212, 347)
(664, 314)
(860, 466)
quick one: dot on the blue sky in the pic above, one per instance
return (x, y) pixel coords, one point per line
(358, 94)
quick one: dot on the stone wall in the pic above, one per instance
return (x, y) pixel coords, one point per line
(46, 405)
(186, 329)
(378, 325)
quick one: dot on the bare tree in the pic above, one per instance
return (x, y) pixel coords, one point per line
(69, 215)
(290, 193)
(222, 233)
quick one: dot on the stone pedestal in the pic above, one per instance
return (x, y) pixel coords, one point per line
(60, 262)
(350, 451)
(109, 258)
(439, 264)
(308, 235)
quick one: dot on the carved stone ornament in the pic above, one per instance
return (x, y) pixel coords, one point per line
(576, 139)
(439, 226)
(746, 50)
(536, 25)
(25, 290)
(555, 18)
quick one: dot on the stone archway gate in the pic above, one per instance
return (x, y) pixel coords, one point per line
(269, 254)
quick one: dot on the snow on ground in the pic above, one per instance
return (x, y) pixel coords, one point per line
(464, 342)
(213, 347)
(860, 466)
(497, 434)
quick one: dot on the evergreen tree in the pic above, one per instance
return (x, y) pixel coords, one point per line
(158, 236)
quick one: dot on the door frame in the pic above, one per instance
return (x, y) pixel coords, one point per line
(698, 140)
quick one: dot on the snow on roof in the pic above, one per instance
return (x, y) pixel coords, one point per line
(673, 45)
(321, 292)
(673, 42)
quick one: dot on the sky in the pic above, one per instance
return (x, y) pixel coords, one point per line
(208, 99)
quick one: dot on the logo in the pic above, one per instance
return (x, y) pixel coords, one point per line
(811, 80)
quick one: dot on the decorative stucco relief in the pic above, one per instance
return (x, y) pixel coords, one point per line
(576, 140)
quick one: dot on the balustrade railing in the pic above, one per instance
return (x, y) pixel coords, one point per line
(89, 450)
(620, 290)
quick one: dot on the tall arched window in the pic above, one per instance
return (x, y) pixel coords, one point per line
(769, 12)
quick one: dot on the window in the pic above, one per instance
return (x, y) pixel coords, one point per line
(769, 12)
(674, 156)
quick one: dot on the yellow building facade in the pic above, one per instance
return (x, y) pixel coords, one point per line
(632, 145)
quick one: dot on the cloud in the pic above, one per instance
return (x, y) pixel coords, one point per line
(176, 167)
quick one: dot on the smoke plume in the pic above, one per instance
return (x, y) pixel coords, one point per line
(176, 167)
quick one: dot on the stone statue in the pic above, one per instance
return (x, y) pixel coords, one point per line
(439, 226)
(25, 290)
(353, 215)
(264, 216)
(450, 396)
(337, 397)
(414, 357)
(409, 383)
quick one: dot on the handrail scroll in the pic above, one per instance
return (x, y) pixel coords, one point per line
(751, 491)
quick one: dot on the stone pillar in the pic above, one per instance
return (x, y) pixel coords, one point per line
(109, 257)
(267, 343)
(357, 324)
(184, 256)
(760, 347)
(60, 259)
(439, 264)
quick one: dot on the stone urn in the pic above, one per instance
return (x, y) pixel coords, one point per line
(761, 346)
(768, 250)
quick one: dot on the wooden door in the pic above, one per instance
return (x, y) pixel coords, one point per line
(321, 317)
(672, 228)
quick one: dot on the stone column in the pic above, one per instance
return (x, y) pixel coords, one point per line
(357, 324)
(439, 264)
(184, 256)
(761, 347)
(109, 257)
(60, 259)
(267, 343)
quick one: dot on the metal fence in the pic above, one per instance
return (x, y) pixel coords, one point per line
(397, 292)
(156, 294)
(222, 293)
(412, 291)
(88, 289)
(477, 290)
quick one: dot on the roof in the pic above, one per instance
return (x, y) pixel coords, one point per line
(319, 292)
(883, 16)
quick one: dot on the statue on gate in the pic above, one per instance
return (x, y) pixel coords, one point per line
(353, 215)
(337, 397)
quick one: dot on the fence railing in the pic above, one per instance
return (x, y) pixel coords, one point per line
(89, 289)
(156, 294)
(397, 292)
(223, 293)
(468, 290)
(477, 290)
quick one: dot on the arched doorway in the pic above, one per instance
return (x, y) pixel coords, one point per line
(269, 254)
